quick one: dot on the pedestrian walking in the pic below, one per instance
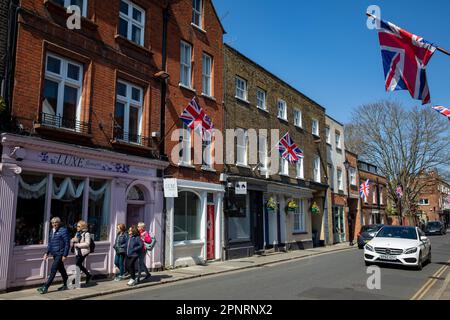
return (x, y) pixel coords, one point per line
(58, 247)
(134, 249)
(81, 243)
(145, 238)
(120, 246)
(351, 229)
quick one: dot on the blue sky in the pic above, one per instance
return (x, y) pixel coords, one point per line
(324, 48)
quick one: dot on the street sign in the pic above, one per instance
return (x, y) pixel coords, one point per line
(170, 188)
(241, 187)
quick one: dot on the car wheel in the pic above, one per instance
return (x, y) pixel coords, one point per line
(360, 247)
(429, 257)
(367, 263)
(420, 263)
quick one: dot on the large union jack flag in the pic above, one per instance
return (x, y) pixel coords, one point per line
(195, 118)
(364, 190)
(289, 150)
(405, 57)
(442, 110)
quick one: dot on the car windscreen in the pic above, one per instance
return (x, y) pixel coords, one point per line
(370, 228)
(434, 224)
(398, 232)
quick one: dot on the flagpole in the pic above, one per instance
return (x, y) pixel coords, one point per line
(438, 48)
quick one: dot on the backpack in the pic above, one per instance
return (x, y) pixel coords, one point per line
(91, 244)
(150, 245)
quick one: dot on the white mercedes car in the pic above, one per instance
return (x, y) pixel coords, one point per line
(406, 246)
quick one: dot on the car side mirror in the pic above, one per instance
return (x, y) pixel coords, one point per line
(423, 238)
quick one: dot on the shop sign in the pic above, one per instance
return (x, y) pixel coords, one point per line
(241, 187)
(170, 188)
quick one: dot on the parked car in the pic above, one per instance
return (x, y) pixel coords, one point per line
(435, 227)
(367, 233)
(406, 246)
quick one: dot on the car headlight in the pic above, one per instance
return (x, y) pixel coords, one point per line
(410, 250)
(368, 247)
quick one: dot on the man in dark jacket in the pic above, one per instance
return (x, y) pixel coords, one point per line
(58, 247)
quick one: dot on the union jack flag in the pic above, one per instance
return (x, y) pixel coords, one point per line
(399, 192)
(195, 118)
(448, 198)
(289, 150)
(442, 110)
(364, 190)
(405, 57)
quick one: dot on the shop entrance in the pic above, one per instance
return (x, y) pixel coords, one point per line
(338, 224)
(257, 216)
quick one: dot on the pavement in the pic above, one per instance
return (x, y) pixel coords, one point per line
(98, 288)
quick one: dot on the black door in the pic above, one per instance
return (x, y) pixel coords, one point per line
(257, 219)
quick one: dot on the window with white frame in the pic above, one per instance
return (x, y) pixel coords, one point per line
(424, 202)
(128, 113)
(374, 196)
(207, 75)
(241, 89)
(340, 180)
(62, 92)
(352, 172)
(82, 4)
(331, 176)
(299, 167)
(328, 134)
(282, 110)
(284, 166)
(315, 127)
(186, 64)
(338, 140)
(316, 170)
(207, 147)
(132, 22)
(263, 153)
(261, 99)
(297, 118)
(381, 196)
(242, 148)
(300, 217)
(197, 13)
(185, 146)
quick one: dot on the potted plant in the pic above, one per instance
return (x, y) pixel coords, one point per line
(291, 206)
(271, 204)
(314, 208)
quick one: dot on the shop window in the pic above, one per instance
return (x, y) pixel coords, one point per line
(98, 212)
(299, 217)
(187, 217)
(67, 201)
(30, 215)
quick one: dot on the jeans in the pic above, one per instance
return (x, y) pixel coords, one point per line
(79, 263)
(119, 262)
(131, 260)
(58, 265)
(141, 265)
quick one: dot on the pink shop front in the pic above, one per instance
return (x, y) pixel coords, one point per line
(40, 179)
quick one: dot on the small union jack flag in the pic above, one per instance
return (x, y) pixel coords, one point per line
(289, 150)
(364, 190)
(448, 198)
(195, 118)
(399, 192)
(442, 110)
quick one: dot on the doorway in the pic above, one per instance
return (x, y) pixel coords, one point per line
(257, 217)
(338, 224)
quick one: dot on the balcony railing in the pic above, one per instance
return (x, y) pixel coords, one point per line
(122, 136)
(50, 120)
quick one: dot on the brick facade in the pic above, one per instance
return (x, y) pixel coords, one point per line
(432, 200)
(4, 7)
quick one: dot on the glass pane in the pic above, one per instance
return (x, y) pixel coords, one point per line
(123, 7)
(136, 194)
(73, 72)
(119, 121)
(123, 28)
(134, 125)
(53, 65)
(70, 106)
(186, 217)
(121, 89)
(60, 2)
(98, 210)
(51, 97)
(136, 94)
(136, 34)
(137, 15)
(78, 3)
(30, 211)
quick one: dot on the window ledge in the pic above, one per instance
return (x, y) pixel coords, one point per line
(204, 168)
(316, 136)
(186, 165)
(246, 166)
(198, 28)
(261, 109)
(209, 97)
(132, 45)
(282, 119)
(284, 175)
(242, 100)
(187, 88)
(188, 243)
(298, 127)
(300, 178)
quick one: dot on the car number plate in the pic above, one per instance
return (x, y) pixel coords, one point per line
(384, 257)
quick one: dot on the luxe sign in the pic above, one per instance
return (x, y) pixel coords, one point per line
(170, 188)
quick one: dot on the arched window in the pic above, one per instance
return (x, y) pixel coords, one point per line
(187, 217)
(136, 194)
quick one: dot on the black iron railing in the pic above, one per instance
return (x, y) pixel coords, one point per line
(122, 136)
(55, 121)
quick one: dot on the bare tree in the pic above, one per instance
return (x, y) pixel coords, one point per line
(403, 143)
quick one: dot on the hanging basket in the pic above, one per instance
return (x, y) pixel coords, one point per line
(315, 209)
(271, 205)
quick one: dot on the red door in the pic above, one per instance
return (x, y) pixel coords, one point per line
(210, 249)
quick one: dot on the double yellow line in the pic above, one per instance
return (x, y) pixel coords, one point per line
(430, 283)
